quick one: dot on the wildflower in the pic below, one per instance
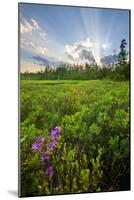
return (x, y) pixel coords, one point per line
(52, 145)
(50, 171)
(40, 139)
(36, 146)
(38, 143)
(55, 132)
(46, 156)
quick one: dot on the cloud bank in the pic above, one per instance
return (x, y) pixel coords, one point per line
(32, 36)
(85, 51)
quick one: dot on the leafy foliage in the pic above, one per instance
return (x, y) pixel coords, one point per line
(92, 152)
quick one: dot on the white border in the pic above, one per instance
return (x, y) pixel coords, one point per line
(9, 97)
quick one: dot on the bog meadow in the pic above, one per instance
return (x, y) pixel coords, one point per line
(75, 123)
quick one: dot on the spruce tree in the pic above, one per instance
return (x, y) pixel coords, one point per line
(123, 69)
(123, 53)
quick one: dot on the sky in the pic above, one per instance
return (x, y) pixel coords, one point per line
(59, 34)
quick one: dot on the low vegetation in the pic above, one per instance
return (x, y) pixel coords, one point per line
(74, 136)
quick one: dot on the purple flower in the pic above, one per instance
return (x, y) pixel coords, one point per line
(55, 132)
(52, 145)
(45, 156)
(50, 171)
(38, 143)
(36, 146)
(40, 139)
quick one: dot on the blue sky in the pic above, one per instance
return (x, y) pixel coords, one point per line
(59, 33)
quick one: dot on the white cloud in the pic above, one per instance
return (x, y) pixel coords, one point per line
(25, 27)
(74, 50)
(28, 26)
(41, 50)
(70, 49)
(32, 36)
(35, 24)
(87, 43)
(92, 48)
(26, 43)
(32, 47)
(32, 44)
(43, 35)
(104, 46)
